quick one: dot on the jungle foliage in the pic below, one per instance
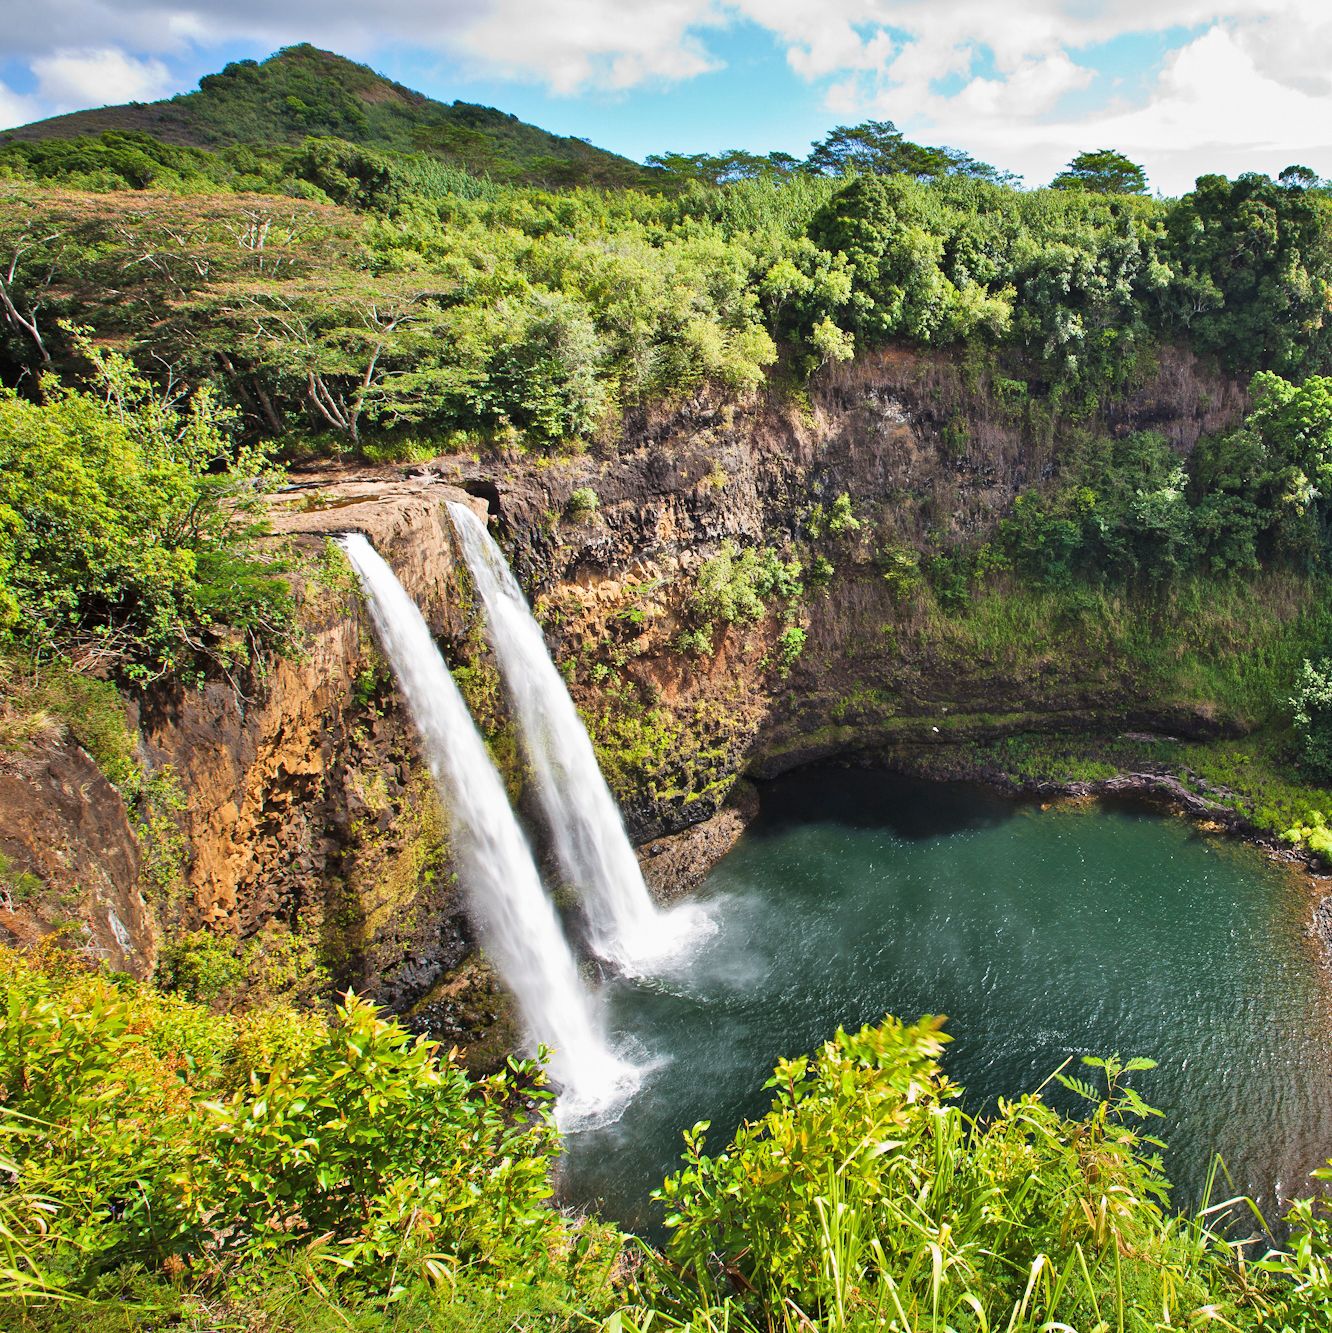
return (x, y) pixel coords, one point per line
(128, 529)
(1131, 511)
(171, 1167)
(335, 289)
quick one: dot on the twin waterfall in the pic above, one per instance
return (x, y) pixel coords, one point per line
(590, 843)
(519, 927)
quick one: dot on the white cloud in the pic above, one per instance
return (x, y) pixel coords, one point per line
(581, 43)
(1031, 88)
(71, 80)
(1212, 108)
(1293, 48)
(1251, 87)
(15, 109)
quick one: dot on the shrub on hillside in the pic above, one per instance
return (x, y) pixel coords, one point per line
(128, 528)
(153, 1132)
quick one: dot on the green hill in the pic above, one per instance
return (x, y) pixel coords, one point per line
(303, 91)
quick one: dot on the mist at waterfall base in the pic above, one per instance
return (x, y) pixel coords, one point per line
(624, 926)
(1042, 935)
(519, 927)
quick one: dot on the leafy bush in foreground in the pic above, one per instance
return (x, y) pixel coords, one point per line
(170, 1168)
(151, 1132)
(867, 1198)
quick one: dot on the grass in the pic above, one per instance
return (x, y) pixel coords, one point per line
(41, 702)
(1232, 649)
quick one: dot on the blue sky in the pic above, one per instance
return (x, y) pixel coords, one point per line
(1182, 86)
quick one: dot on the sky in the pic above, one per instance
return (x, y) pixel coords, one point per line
(1181, 86)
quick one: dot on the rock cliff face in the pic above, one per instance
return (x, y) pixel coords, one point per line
(927, 456)
(307, 811)
(67, 829)
(307, 803)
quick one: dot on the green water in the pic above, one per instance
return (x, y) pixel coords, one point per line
(1040, 934)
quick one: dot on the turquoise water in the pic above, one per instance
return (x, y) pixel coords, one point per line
(1041, 934)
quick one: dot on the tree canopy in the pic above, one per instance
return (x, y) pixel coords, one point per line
(1104, 170)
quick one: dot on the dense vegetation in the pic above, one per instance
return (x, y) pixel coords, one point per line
(173, 1168)
(127, 529)
(432, 302)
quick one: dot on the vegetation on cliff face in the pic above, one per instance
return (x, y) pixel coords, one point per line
(127, 529)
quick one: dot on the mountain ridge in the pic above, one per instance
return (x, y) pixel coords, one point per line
(304, 91)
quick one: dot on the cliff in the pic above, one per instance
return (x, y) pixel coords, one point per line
(307, 814)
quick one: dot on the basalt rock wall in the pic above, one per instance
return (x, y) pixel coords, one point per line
(306, 811)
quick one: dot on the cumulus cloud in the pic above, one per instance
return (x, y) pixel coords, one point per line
(581, 43)
(1213, 103)
(70, 80)
(15, 109)
(1251, 78)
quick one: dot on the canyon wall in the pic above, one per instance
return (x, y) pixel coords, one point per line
(306, 813)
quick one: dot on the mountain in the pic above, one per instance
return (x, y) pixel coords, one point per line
(303, 91)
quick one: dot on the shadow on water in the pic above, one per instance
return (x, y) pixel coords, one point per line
(1042, 934)
(860, 799)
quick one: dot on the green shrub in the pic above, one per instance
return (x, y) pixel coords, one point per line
(143, 1121)
(200, 966)
(837, 520)
(695, 642)
(821, 570)
(1303, 1302)
(790, 644)
(900, 567)
(841, 518)
(867, 1198)
(127, 529)
(1312, 705)
(583, 503)
(734, 584)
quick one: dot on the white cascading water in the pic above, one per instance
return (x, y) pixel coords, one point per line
(626, 927)
(519, 927)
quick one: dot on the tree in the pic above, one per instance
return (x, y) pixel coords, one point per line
(895, 259)
(349, 344)
(879, 148)
(1297, 177)
(1103, 171)
(1254, 272)
(735, 164)
(874, 148)
(961, 163)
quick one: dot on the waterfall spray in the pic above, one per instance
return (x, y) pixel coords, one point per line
(593, 849)
(519, 927)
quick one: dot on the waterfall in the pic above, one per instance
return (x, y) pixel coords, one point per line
(519, 927)
(590, 842)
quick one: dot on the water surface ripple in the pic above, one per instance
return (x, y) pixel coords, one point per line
(1041, 934)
